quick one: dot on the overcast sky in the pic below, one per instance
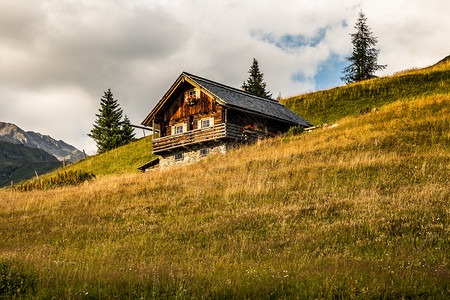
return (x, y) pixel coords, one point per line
(57, 57)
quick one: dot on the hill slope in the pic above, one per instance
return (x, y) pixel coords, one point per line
(331, 105)
(61, 150)
(122, 160)
(18, 162)
(355, 211)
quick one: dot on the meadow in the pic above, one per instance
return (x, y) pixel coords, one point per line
(122, 160)
(351, 100)
(358, 210)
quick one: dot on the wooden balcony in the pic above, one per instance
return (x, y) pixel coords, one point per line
(229, 132)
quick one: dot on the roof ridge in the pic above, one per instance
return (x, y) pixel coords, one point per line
(232, 88)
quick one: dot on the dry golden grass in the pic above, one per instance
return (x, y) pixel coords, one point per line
(359, 210)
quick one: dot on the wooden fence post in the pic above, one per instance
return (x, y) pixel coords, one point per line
(153, 125)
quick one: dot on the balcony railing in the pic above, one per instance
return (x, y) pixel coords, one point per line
(221, 131)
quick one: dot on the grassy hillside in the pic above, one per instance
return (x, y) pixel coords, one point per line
(355, 211)
(122, 160)
(331, 105)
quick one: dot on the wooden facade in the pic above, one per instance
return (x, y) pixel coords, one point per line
(219, 114)
(180, 113)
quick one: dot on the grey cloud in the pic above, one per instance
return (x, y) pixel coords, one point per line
(19, 23)
(89, 50)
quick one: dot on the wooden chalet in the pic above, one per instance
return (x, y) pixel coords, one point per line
(197, 117)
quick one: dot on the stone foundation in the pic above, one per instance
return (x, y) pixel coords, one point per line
(192, 154)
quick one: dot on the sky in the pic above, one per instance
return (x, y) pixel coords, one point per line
(58, 57)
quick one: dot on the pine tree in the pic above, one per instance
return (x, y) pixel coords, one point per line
(127, 131)
(364, 57)
(255, 83)
(109, 130)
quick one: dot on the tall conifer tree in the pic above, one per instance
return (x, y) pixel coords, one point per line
(364, 57)
(109, 130)
(255, 83)
(127, 131)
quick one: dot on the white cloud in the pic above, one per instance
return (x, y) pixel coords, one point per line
(62, 55)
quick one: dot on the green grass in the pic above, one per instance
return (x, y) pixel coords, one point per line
(122, 160)
(357, 211)
(331, 105)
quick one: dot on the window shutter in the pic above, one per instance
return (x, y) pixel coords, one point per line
(199, 124)
(185, 127)
(173, 130)
(211, 122)
(197, 93)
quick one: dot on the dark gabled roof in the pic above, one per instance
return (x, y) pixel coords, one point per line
(235, 98)
(232, 98)
(148, 165)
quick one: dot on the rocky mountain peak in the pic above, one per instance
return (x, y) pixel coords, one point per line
(61, 150)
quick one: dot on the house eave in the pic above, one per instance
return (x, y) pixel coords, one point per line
(261, 114)
(160, 104)
(184, 77)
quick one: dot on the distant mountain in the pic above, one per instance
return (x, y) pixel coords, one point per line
(19, 162)
(61, 150)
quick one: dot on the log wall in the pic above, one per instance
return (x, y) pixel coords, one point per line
(180, 113)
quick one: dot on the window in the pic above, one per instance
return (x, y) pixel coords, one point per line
(204, 151)
(192, 92)
(178, 156)
(206, 123)
(178, 129)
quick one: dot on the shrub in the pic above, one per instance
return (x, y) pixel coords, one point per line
(294, 130)
(364, 111)
(60, 179)
(14, 282)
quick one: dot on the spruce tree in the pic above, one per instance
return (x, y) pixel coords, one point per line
(127, 132)
(364, 57)
(255, 83)
(109, 130)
